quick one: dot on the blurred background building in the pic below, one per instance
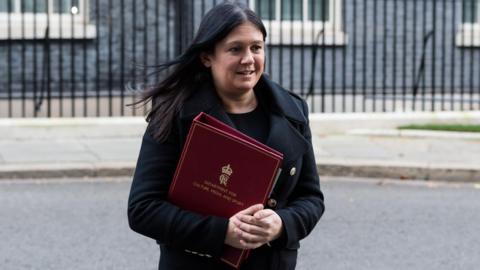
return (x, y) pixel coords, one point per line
(73, 58)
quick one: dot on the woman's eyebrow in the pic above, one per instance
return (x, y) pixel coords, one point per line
(237, 42)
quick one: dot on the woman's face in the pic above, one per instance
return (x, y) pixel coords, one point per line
(237, 61)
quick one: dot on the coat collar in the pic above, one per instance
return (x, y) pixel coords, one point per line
(282, 100)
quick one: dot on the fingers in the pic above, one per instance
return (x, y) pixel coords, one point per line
(270, 222)
(249, 237)
(253, 227)
(259, 218)
(251, 210)
(263, 213)
(238, 238)
(250, 225)
(259, 224)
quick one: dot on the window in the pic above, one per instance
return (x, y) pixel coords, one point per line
(469, 34)
(292, 10)
(28, 19)
(300, 21)
(470, 11)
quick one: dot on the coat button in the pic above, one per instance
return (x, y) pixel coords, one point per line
(293, 170)
(272, 203)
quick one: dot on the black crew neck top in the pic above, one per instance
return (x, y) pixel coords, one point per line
(255, 123)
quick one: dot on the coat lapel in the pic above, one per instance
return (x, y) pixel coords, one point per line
(284, 138)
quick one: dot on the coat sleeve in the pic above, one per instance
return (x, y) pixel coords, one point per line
(149, 212)
(305, 205)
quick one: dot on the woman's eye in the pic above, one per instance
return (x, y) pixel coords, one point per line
(256, 48)
(234, 49)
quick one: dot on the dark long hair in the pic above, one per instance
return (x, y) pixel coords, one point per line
(188, 71)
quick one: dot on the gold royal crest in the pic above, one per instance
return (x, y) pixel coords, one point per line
(226, 173)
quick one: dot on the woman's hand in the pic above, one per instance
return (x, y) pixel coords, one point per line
(271, 222)
(253, 227)
(235, 236)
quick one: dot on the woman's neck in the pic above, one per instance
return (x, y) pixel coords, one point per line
(244, 103)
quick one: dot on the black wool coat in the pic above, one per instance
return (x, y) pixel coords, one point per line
(191, 241)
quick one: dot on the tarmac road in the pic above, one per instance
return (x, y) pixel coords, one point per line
(369, 224)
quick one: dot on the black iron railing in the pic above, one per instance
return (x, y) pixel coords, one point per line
(73, 58)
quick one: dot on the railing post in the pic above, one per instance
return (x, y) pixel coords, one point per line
(183, 25)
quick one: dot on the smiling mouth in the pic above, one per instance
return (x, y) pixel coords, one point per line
(246, 72)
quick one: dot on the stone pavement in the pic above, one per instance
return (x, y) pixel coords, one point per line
(96, 147)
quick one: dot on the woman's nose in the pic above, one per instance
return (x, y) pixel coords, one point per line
(247, 58)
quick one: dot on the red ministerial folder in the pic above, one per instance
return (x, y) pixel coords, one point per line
(222, 171)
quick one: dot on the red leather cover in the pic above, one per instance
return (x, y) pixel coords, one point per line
(222, 171)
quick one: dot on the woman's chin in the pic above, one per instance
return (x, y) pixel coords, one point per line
(246, 85)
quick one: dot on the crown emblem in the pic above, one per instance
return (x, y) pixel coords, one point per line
(227, 170)
(226, 173)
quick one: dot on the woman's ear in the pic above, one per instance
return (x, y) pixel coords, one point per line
(205, 58)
